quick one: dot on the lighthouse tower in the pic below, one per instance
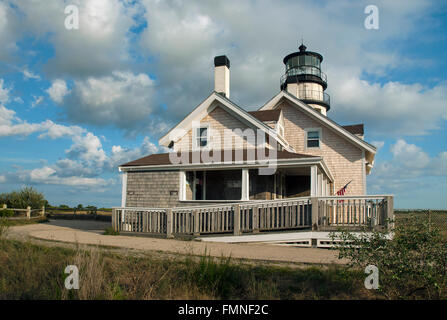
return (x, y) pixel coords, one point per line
(305, 80)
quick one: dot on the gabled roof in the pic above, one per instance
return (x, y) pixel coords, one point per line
(273, 103)
(266, 115)
(355, 129)
(207, 106)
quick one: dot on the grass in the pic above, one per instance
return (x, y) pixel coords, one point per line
(31, 271)
(21, 222)
(438, 218)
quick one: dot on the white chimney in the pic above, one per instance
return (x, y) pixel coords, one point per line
(222, 75)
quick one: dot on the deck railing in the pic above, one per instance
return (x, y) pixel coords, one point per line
(316, 213)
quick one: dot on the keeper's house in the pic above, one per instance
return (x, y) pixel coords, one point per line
(219, 150)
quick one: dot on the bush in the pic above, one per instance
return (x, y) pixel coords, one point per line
(411, 265)
(6, 213)
(23, 198)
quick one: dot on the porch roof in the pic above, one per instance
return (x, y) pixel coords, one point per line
(163, 158)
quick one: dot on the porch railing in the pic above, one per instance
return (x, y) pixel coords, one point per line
(316, 213)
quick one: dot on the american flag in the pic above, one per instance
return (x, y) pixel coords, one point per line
(342, 191)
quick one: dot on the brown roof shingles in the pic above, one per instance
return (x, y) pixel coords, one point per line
(163, 158)
(355, 128)
(266, 115)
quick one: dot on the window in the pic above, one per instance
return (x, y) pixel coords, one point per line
(201, 137)
(313, 138)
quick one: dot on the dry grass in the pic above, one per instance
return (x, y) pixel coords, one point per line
(30, 271)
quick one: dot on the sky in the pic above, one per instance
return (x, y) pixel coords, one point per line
(76, 103)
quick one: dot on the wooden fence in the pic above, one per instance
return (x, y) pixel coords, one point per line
(316, 213)
(28, 212)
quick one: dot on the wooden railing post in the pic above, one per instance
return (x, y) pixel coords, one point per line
(114, 222)
(5, 206)
(237, 220)
(28, 212)
(196, 222)
(42, 212)
(314, 204)
(390, 211)
(169, 224)
(255, 219)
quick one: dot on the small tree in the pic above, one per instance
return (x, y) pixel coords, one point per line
(413, 264)
(23, 198)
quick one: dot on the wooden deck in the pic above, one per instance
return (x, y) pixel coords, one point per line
(306, 213)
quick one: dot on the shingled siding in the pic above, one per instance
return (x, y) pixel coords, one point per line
(219, 120)
(345, 160)
(152, 189)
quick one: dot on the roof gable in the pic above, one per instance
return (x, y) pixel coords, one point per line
(274, 103)
(208, 105)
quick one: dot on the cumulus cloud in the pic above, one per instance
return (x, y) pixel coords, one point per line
(58, 90)
(123, 99)
(390, 108)
(99, 45)
(120, 155)
(408, 169)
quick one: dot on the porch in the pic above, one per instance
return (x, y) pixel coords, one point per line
(323, 213)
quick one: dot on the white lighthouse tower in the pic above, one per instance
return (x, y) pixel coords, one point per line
(305, 80)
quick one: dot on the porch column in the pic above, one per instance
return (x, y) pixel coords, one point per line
(245, 185)
(124, 190)
(313, 181)
(182, 185)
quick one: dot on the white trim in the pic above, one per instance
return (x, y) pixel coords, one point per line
(320, 138)
(182, 185)
(245, 192)
(194, 136)
(124, 189)
(364, 171)
(313, 181)
(207, 106)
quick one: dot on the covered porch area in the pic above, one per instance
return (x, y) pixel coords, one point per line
(248, 183)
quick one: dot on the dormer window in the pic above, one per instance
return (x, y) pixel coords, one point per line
(313, 137)
(201, 136)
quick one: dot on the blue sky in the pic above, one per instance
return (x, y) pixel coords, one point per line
(76, 103)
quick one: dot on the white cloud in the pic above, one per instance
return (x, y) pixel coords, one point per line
(392, 108)
(120, 155)
(37, 101)
(4, 92)
(100, 44)
(10, 125)
(409, 169)
(123, 99)
(30, 75)
(88, 148)
(46, 175)
(58, 90)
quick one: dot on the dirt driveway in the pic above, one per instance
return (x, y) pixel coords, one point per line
(90, 233)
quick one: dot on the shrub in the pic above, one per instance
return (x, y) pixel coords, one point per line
(411, 265)
(6, 213)
(23, 198)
